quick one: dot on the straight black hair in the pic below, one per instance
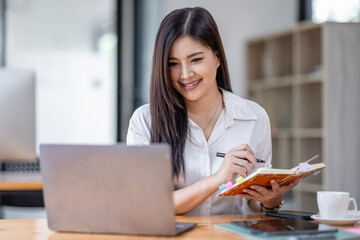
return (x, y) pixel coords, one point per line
(169, 120)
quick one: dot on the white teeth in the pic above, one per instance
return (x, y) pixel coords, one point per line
(192, 84)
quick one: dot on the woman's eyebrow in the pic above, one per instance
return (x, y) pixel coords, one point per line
(189, 56)
(194, 54)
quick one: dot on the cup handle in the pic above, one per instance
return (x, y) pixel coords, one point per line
(354, 202)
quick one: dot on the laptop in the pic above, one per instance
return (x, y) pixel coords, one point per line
(113, 189)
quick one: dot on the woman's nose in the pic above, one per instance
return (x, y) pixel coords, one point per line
(186, 73)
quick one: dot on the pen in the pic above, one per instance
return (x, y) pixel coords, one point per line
(219, 154)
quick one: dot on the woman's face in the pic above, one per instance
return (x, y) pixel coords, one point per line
(192, 68)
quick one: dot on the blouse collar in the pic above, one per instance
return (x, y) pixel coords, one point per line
(237, 107)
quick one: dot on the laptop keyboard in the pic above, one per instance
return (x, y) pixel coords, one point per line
(20, 166)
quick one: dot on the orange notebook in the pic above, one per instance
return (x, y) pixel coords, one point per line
(262, 176)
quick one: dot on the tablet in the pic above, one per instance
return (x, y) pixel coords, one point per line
(290, 214)
(284, 226)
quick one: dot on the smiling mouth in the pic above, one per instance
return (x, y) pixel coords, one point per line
(192, 84)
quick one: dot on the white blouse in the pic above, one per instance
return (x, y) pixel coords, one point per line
(242, 121)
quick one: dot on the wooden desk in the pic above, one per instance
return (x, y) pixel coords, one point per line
(20, 181)
(38, 230)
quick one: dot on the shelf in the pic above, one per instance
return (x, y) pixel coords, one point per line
(256, 55)
(308, 132)
(309, 50)
(280, 48)
(285, 81)
(307, 25)
(308, 98)
(270, 57)
(256, 96)
(307, 148)
(271, 83)
(278, 105)
(281, 132)
(275, 153)
(306, 80)
(282, 153)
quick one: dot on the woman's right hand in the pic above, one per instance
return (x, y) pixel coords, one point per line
(237, 161)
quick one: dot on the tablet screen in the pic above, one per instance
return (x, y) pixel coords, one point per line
(284, 226)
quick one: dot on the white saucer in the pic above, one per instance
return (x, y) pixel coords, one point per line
(349, 219)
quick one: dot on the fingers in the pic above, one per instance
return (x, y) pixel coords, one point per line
(243, 165)
(240, 170)
(292, 184)
(244, 147)
(237, 161)
(244, 195)
(232, 158)
(255, 192)
(263, 191)
(243, 152)
(275, 186)
(268, 195)
(263, 194)
(286, 188)
(247, 156)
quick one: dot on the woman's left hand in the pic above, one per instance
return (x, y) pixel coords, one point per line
(269, 197)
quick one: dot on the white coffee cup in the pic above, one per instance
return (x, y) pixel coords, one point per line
(333, 204)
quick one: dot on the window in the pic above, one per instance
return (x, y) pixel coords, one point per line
(335, 11)
(71, 45)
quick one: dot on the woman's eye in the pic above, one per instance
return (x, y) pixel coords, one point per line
(171, 64)
(196, 60)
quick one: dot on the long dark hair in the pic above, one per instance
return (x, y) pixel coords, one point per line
(169, 121)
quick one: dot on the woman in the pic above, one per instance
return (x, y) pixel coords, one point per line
(192, 109)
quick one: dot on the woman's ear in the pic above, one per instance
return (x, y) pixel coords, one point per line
(217, 59)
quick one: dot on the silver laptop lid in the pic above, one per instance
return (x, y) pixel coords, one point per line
(108, 189)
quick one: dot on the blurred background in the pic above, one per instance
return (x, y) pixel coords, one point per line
(92, 62)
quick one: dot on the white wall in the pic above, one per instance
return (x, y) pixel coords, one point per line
(239, 20)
